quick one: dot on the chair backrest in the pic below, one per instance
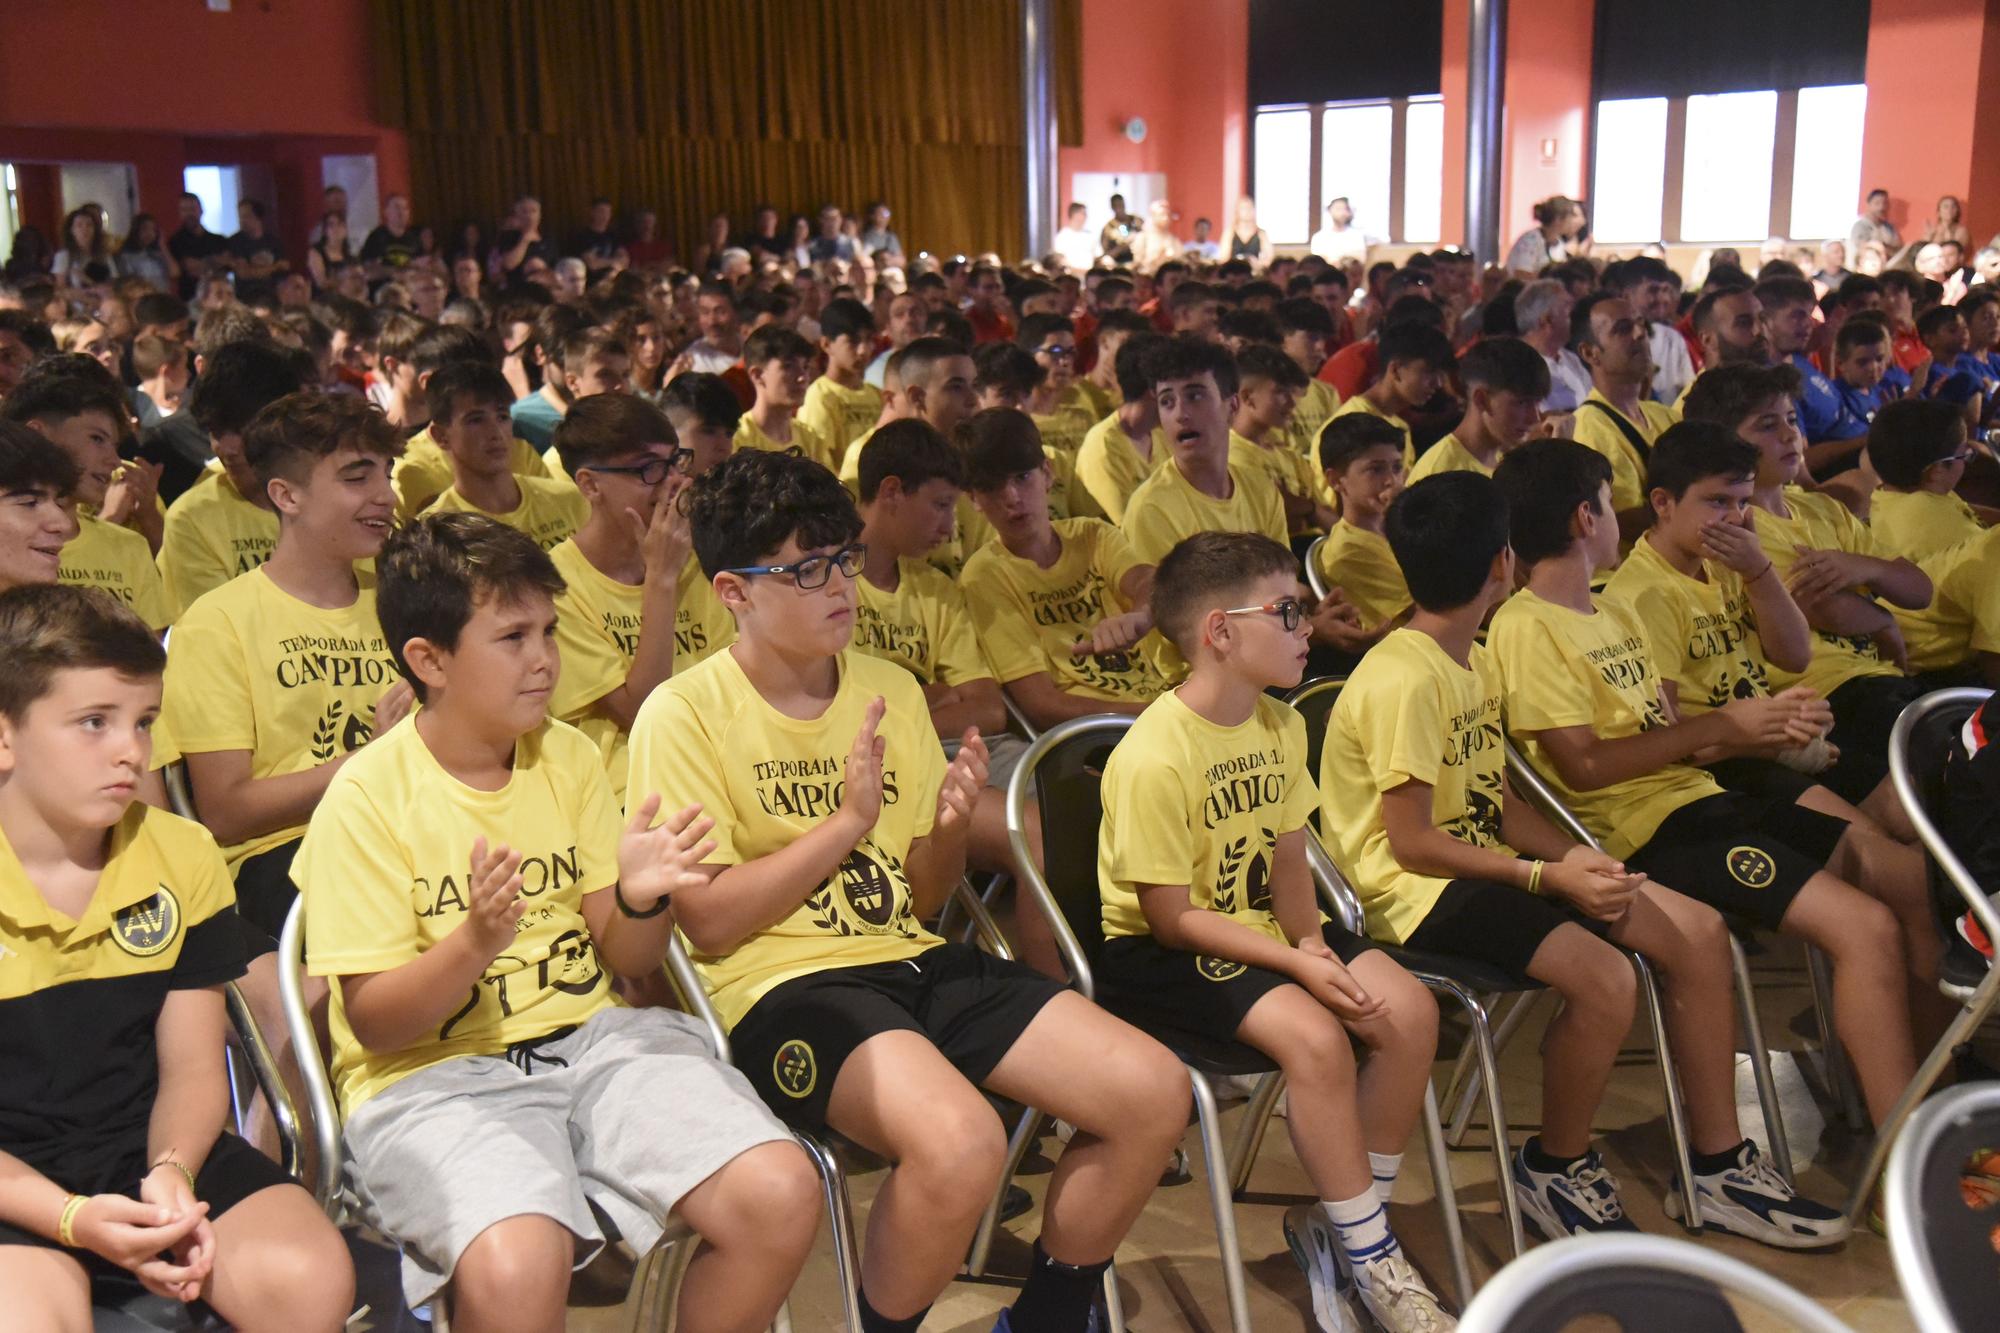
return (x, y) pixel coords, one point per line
(1063, 773)
(323, 1111)
(1541, 794)
(1315, 579)
(1923, 739)
(1642, 1284)
(1315, 699)
(1342, 903)
(1943, 1243)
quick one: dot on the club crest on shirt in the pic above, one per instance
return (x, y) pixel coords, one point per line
(794, 1070)
(866, 896)
(1752, 867)
(338, 731)
(147, 928)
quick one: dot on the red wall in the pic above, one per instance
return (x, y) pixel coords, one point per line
(1183, 66)
(168, 83)
(1933, 123)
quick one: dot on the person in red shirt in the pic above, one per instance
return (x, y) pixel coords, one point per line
(987, 314)
(1901, 290)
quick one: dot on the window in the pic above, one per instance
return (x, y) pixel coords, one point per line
(1726, 185)
(1355, 162)
(1826, 162)
(1283, 172)
(1423, 171)
(1631, 167)
(217, 188)
(1302, 157)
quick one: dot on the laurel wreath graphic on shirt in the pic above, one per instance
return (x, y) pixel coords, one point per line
(1225, 874)
(326, 734)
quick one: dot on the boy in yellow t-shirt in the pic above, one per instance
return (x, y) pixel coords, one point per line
(1306, 329)
(1211, 924)
(224, 525)
(1362, 457)
(1007, 377)
(1127, 446)
(1918, 447)
(470, 894)
(778, 361)
(1100, 388)
(119, 939)
(424, 471)
(279, 675)
(1268, 387)
(1414, 796)
(1416, 359)
(85, 418)
(1051, 341)
(37, 506)
(1505, 381)
(468, 401)
(1584, 701)
(630, 582)
(841, 406)
(839, 829)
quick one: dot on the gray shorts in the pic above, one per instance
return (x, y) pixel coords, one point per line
(1004, 751)
(637, 1116)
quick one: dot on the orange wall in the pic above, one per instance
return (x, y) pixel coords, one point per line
(1933, 123)
(1183, 66)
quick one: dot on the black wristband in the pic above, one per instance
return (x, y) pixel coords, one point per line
(618, 896)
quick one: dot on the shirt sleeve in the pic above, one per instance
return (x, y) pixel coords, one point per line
(189, 567)
(356, 882)
(1666, 629)
(592, 666)
(672, 752)
(1115, 559)
(959, 657)
(207, 689)
(1543, 689)
(1003, 627)
(1146, 835)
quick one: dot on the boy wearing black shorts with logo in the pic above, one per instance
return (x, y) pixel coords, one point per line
(839, 829)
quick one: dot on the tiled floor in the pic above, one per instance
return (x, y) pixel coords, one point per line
(1170, 1275)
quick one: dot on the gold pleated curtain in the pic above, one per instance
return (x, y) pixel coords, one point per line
(694, 106)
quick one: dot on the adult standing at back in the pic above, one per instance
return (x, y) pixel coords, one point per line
(1557, 219)
(1873, 226)
(1340, 240)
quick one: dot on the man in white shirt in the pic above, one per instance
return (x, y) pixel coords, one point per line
(1075, 244)
(1203, 246)
(720, 345)
(1340, 240)
(1541, 314)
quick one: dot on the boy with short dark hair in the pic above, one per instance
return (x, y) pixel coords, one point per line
(634, 607)
(471, 952)
(1306, 334)
(1099, 390)
(1862, 359)
(778, 361)
(1060, 414)
(1212, 925)
(555, 328)
(1415, 359)
(1008, 378)
(1583, 699)
(37, 510)
(839, 828)
(470, 422)
(121, 935)
(1269, 385)
(395, 387)
(1505, 382)
(424, 471)
(1414, 795)
(1362, 458)
(841, 406)
(1125, 447)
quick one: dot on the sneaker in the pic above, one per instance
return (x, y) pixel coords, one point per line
(1316, 1250)
(1578, 1202)
(1749, 1198)
(1391, 1291)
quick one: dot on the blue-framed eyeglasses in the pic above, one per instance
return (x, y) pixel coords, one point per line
(814, 570)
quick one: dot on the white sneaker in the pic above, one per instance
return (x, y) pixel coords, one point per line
(1391, 1291)
(1316, 1250)
(1577, 1202)
(1751, 1199)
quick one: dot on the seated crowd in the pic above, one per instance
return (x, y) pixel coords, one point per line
(511, 607)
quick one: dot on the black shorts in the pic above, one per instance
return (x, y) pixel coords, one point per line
(1745, 856)
(1156, 988)
(1865, 709)
(264, 889)
(232, 1172)
(1763, 777)
(1491, 922)
(969, 1004)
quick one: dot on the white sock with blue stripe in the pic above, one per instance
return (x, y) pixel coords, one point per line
(1362, 1224)
(1386, 1166)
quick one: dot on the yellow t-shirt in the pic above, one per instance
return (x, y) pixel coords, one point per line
(1360, 564)
(424, 472)
(1167, 508)
(1029, 617)
(1447, 455)
(1700, 632)
(1315, 408)
(1914, 524)
(1289, 471)
(1561, 668)
(805, 442)
(1091, 399)
(1823, 523)
(922, 626)
(212, 535)
(973, 532)
(766, 779)
(838, 415)
(1189, 801)
(1409, 713)
(1109, 468)
(104, 555)
(384, 868)
(549, 511)
(1964, 615)
(1600, 432)
(1063, 429)
(252, 667)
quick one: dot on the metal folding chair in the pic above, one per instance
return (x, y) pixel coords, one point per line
(1637, 1283)
(1941, 1243)
(1314, 578)
(1922, 738)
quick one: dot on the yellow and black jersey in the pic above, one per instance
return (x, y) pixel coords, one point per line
(79, 998)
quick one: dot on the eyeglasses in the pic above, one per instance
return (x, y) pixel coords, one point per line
(813, 571)
(1056, 352)
(1287, 609)
(651, 472)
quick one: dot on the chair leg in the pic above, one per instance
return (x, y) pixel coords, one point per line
(1250, 1138)
(989, 1221)
(1221, 1202)
(1962, 1027)
(659, 1282)
(1518, 1007)
(1840, 1085)
(1447, 1198)
(1481, 1040)
(840, 1222)
(1114, 1304)
(1670, 1086)
(783, 1323)
(1779, 1142)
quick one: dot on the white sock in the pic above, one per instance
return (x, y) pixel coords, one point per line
(1362, 1224)
(1386, 1167)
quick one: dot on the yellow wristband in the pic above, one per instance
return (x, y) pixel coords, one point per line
(71, 1207)
(178, 1165)
(1535, 877)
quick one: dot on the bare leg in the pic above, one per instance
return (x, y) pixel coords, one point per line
(1312, 1047)
(280, 1265)
(47, 1291)
(514, 1277)
(1599, 992)
(1128, 1098)
(1896, 874)
(757, 1217)
(1859, 934)
(1401, 1045)
(1886, 808)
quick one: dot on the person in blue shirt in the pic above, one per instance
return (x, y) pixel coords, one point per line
(1862, 357)
(1788, 305)
(1955, 376)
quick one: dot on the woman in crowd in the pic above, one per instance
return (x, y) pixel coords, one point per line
(144, 254)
